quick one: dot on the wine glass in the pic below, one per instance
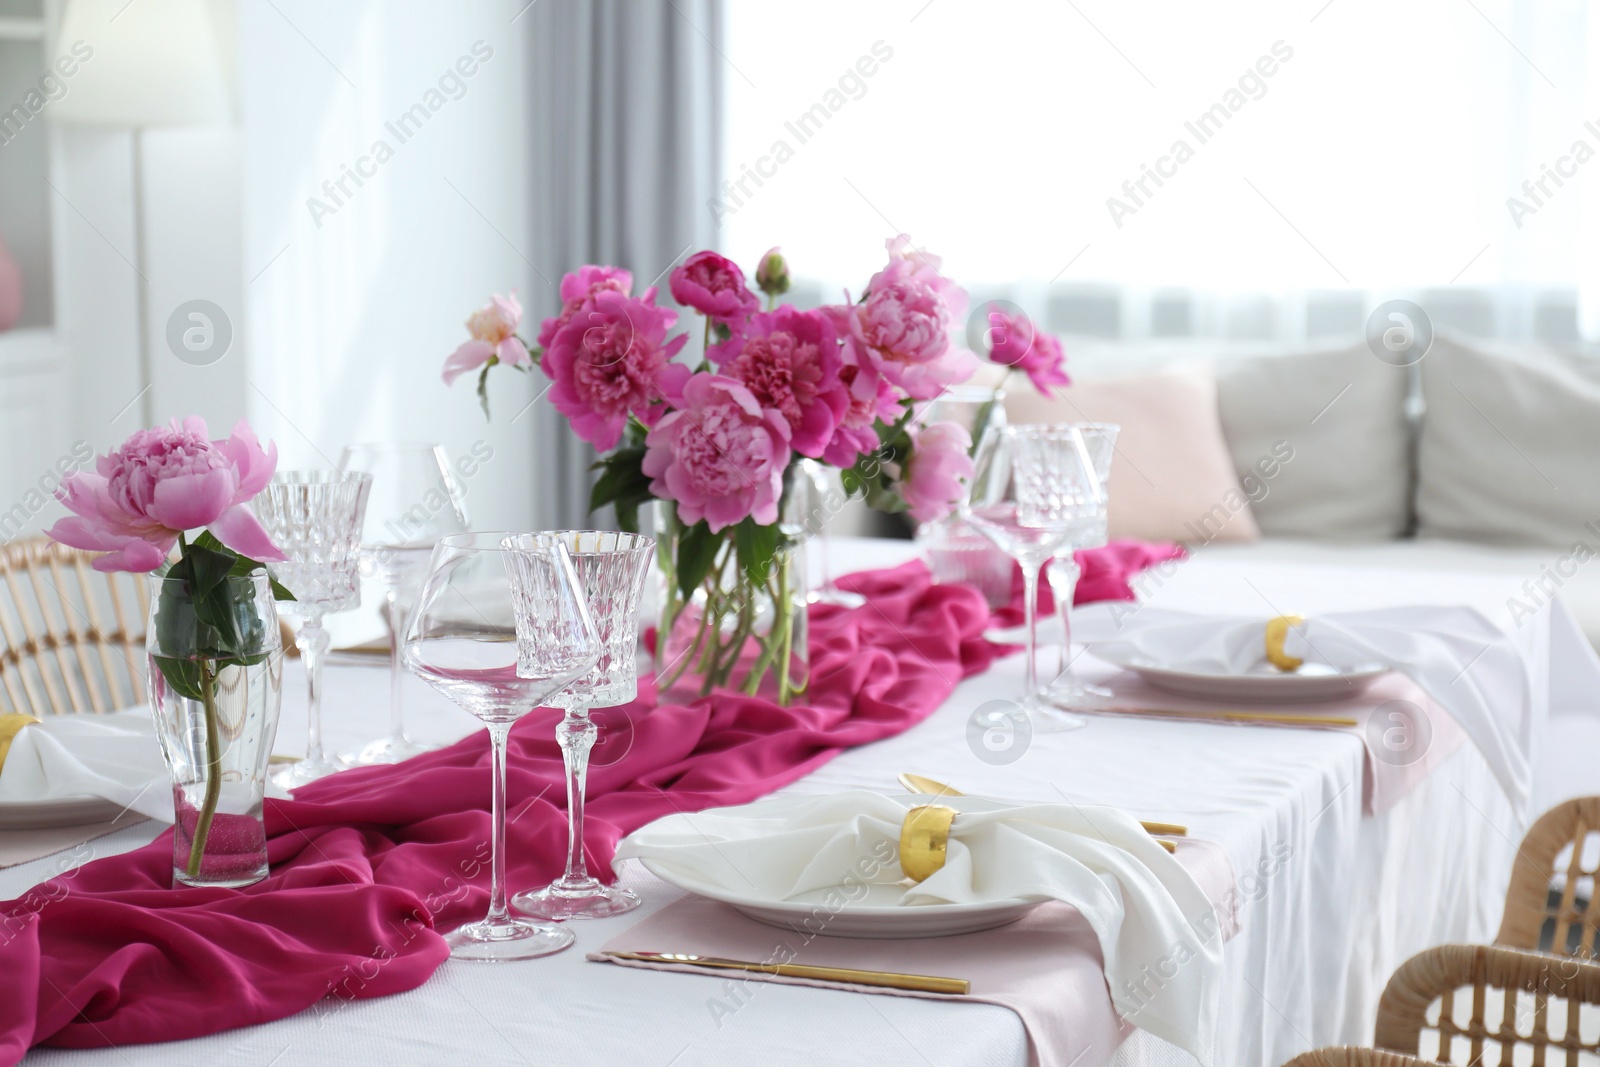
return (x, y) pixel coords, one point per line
(415, 500)
(1025, 495)
(612, 569)
(1068, 690)
(315, 518)
(500, 630)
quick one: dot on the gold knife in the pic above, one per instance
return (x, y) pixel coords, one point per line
(1268, 717)
(921, 983)
(916, 783)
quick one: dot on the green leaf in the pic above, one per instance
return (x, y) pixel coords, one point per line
(182, 675)
(755, 545)
(244, 567)
(697, 550)
(623, 485)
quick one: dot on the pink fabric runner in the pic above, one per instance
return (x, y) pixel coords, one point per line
(365, 866)
(1047, 968)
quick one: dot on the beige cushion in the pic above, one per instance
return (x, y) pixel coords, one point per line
(1510, 442)
(1172, 478)
(1341, 417)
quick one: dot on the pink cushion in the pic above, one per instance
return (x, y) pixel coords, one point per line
(1172, 478)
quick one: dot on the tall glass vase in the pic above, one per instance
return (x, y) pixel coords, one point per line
(215, 682)
(732, 629)
(953, 550)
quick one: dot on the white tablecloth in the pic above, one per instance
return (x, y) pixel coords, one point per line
(1333, 900)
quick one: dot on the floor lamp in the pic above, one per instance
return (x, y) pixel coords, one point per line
(135, 66)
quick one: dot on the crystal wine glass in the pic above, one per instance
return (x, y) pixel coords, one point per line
(415, 500)
(1100, 439)
(501, 629)
(612, 569)
(1024, 497)
(315, 518)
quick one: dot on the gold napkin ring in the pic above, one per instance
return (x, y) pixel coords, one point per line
(1277, 631)
(11, 724)
(924, 836)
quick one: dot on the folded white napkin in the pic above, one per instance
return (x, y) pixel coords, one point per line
(112, 756)
(1157, 930)
(1460, 658)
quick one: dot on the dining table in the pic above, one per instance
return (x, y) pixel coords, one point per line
(1333, 890)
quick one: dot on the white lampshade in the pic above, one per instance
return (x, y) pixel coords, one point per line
(152, 63)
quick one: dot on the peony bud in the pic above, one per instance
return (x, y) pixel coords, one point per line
(772, 276)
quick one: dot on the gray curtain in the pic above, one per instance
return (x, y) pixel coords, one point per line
(628, 124)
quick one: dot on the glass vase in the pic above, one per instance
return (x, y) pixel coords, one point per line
(215, 682)
(953, 550)
(734, 629)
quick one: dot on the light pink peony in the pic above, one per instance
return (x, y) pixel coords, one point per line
(611, 360)
(494, 334)
(577, 289)
(789, 360)
(720, 456)
(1013, 342)
(870, 398)
(713, 285)
(931, 482)
(904, 323)
(164, 482)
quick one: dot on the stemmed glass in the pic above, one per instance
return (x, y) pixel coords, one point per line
(1024, 496)
(315, 518)
(500, 629)
(1100, 439)
(611, 568)
(415, 500)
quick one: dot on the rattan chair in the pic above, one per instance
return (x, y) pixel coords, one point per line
(1351, 1056)
(1495, 1006)
(1550, 905)
(71, 638)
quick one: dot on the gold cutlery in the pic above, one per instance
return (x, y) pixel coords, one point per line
(1269, 717)
(921, 983)
(917, 783)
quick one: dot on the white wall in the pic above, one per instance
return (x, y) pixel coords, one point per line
(348, 322)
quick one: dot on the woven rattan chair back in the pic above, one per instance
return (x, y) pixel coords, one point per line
(1351, 1056)
(71, 638)
(1550, 905)
(1476, 1004)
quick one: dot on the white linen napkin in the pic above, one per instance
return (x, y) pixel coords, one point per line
(112, 756)
(1158, 932)
(1460, 658)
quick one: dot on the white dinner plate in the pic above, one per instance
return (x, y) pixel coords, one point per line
(66, 811)
(1312, 683)
(874, 915)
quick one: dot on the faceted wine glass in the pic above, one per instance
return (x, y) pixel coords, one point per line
(500, 629)
(612, 569)
(315, 518)
(1024, 497)
(1089, 531)
(416, 499)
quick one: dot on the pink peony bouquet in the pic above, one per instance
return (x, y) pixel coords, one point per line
(843, 385)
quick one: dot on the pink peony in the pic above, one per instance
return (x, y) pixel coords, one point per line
(1013, 342)
(789, 360)
(577, 289)
(720, 456)
(494, 335)
(161, 483)
(612, 359)
(931, 480)
(870, 398)
(904, 323)
(713, 286)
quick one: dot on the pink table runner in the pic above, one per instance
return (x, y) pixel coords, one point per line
(1047, 968)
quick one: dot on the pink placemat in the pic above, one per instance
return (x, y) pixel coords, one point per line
(1047, 968)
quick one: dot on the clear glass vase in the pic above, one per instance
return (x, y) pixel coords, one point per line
(734, 629)
(953, 550)
(216, 677)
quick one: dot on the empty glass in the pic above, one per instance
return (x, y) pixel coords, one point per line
(315, 518)
(415, 500)
(954, 551)
(824, 497)
(1025, 496)
(1068, 690)
(500, 629)
(612, 569)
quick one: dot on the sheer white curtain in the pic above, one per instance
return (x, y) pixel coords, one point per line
(1259, 170)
